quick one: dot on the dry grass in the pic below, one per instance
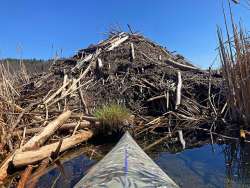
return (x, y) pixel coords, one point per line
(9, 91)
(235, 59)
(7, 83)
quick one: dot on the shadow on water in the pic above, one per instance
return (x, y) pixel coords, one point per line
(218, 165)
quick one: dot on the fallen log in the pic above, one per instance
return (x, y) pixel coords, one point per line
(39, 139)
(35, 141)
(67, 126)
(32, 157)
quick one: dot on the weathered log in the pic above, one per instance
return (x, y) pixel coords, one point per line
(82, 62)
(32, 157)
(60, 90)
(39, 139)
(66, 126)
(90, 58)
(35, 141)
(117, 42)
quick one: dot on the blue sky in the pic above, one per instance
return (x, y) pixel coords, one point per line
(30, 28)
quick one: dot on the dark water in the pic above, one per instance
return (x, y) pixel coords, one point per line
(215, 165)
(207, 166)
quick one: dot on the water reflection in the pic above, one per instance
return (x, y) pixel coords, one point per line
(237, 158)
(218, 166)
(208, 166)
(66, 175)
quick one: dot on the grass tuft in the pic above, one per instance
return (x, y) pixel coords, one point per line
(113, 118)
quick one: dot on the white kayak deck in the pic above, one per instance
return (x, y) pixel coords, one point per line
(126, 166)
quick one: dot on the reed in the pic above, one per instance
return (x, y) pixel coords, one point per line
(235, 60)
(10, 82)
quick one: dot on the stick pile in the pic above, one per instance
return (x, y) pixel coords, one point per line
(51, 112)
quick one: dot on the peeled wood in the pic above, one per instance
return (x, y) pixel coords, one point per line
(132, 50)
(32, 157)
(81, 63)
(178, 90)
(66, 126)
(117, 42)
(155, 98)
(182, 66)
(61, 89)
(65, 79)
(49, 130)
(183, 142)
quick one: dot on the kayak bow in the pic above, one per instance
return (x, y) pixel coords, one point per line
(126, 165)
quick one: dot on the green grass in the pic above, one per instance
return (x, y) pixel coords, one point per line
(113, 118)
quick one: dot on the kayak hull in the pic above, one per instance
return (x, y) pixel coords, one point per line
(126, 165)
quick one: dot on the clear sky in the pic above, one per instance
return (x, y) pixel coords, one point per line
(32, 27)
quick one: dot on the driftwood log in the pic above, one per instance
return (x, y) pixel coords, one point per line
(67, 126)
(49, 130)
(35, 141)
(31, 157)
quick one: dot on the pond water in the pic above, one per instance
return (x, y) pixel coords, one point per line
(225, 165)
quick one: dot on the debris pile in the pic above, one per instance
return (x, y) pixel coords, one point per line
(54, 111)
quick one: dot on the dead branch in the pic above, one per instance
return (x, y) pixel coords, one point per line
(178, 90)
(38, 140)
(157, 142)
(132, 51)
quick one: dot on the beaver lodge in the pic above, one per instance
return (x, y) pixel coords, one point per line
(125, 82)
